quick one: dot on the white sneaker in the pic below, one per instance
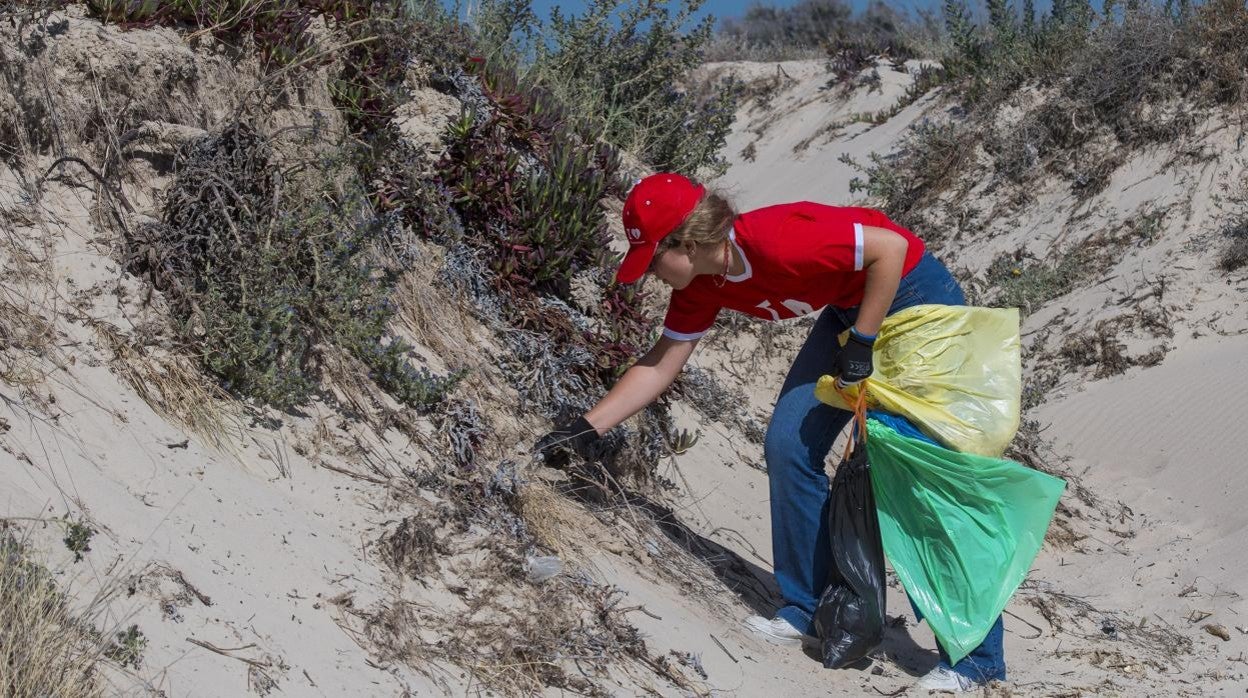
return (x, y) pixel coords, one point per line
(948, 680)
(779, 631)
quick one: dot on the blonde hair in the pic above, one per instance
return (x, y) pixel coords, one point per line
(707, 223)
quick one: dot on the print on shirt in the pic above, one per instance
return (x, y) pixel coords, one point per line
(799, 258)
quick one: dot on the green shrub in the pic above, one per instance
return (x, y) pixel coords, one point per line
(1101, 84)
(1120, 63)
(965, 47)
(929, 156)
(127, 649)
(78, 535)
(807, 24)
(525, 186)
(536, 207)
(382, 40)
(1018, 281)
(264, 274)
(268, 264)
(621, 69)
(827, 27)
(622, 63)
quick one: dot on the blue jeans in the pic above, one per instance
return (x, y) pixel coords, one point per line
(798, 439)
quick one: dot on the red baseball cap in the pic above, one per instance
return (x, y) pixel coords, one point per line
(655, 207)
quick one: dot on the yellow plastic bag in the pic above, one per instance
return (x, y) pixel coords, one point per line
(954, 371)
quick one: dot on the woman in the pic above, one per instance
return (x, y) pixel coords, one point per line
(776, 263)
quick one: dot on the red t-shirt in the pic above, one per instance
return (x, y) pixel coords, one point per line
(798, 258)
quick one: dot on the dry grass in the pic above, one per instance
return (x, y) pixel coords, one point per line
(647, 527)
(412, 548)
(28, 339)
(497, 629)
(174, 388)
(352, 395)
(1141, 642)
(429, 315)
(346, 378)
(511, 639)
(27, 254)
(1235, 256)
(1100, 349)
(555, 522)
(27, 335)
(45, 650)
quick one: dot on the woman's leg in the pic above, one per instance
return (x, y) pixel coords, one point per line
(987, 661)
(799, 437)
(984, 663)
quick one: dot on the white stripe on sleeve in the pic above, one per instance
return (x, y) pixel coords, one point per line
(858, 247)
(683, 336)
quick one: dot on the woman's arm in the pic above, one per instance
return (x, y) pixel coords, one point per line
(642, 383)
(883, 258)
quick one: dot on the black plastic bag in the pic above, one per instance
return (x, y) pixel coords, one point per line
(850, 615)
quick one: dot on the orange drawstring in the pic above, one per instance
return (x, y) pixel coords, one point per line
(858, 434)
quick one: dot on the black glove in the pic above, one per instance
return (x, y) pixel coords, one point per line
(854, 362)
(574, 437)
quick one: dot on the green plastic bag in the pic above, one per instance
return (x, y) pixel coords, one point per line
(961, 530)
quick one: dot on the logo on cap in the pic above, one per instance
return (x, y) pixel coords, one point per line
(634, 234)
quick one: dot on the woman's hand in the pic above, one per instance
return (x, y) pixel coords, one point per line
(854, 364)
(638, 387)
(556, 447)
